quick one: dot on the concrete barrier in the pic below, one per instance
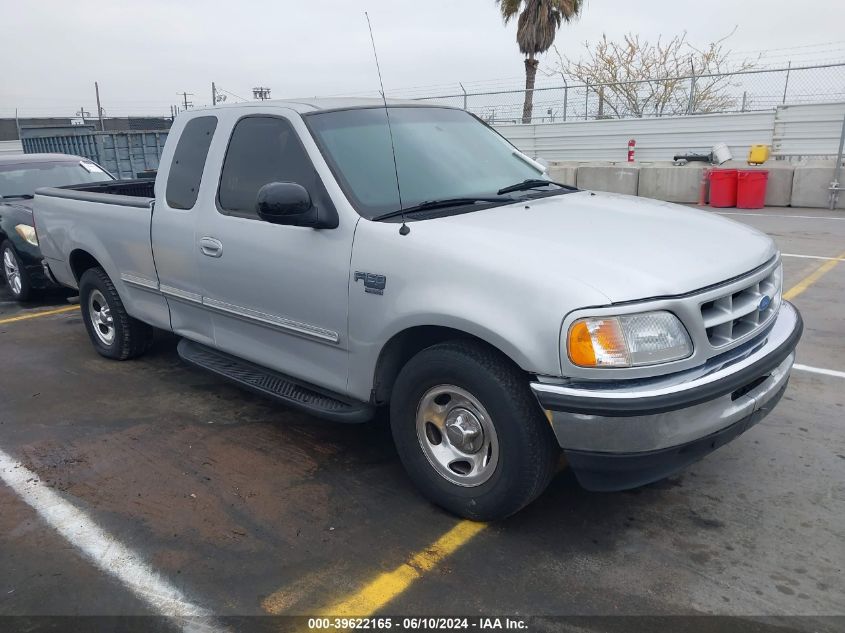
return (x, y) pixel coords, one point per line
(669, 182)
(788, 184)
(613, 177)
(810, 185)
(564, 173)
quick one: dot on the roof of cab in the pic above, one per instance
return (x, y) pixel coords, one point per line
(18, 159)
(314, 104)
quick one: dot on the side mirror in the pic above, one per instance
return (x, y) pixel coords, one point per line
(287, 203)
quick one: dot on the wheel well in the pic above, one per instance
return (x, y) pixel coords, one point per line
(406, 344)
(80, 261)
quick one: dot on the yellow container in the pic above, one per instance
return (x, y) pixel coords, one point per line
(758, 154)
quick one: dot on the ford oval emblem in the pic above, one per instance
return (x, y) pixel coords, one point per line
(765, 302)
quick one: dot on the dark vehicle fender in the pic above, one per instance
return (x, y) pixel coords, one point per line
(30, 256)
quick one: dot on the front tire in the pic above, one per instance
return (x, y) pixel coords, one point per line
(17, 279)
(469, 432)
(113, 332)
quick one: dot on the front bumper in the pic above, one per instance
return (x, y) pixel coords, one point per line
(33, 264)
(623, 434)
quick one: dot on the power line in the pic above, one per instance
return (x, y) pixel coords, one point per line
(219, 89)
(791, 48)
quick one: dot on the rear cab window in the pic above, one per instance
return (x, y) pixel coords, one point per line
(183, 179)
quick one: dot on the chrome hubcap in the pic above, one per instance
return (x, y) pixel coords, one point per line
(464, 430)
(100, 315)
(457, 435)
(13, 274)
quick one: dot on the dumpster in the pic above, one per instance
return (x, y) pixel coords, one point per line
(751, 188)
(723, 188)
(123, 154)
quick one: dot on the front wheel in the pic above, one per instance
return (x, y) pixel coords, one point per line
(469, 432)
(17, 279)
(112, 331)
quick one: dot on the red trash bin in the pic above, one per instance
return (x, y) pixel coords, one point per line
(751, 188)
(723, 187)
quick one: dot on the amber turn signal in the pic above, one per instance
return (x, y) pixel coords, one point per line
(598, 342)
(581, 345)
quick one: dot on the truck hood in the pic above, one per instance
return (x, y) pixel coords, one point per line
(627, 248)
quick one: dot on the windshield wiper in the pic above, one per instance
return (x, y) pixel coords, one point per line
(439, 204)
(25, 196)
(533, 183)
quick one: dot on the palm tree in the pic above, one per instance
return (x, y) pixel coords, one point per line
(537, 26)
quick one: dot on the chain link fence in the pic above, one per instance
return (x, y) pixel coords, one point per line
(746, 91)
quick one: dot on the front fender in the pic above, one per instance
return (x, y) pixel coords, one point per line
(515, 310)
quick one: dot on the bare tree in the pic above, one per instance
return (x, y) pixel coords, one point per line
(639, 78)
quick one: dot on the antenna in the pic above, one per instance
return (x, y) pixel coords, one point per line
(404, 229)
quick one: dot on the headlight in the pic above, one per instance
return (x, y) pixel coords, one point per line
(27, 233)
(628, 340)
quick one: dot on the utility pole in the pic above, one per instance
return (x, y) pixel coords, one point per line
(691, 104)
(18, 126)
(185, 101)
(261, 92)
(213, 94)
(99, 107)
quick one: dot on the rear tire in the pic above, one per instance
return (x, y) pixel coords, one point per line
(17, 279)
(487, 451)
(113, 332)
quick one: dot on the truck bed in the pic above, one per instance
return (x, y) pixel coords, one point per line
(107, 221)
(132, 193)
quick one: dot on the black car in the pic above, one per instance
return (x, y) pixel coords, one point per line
(20, 176)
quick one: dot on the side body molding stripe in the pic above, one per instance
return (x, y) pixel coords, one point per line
(253, 316)
(141, 282)
(271, 320)
(184, 295)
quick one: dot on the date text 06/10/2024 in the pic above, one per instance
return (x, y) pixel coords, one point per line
(417, 623)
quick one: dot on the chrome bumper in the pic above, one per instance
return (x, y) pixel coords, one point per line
(625, 417)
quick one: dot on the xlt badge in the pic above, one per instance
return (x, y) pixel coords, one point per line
(373, 283)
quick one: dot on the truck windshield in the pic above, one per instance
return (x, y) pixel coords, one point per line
(22, 179)
(441, 153)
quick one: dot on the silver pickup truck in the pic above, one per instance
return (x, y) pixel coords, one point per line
(342, 256)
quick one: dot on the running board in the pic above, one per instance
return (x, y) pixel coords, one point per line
(270, 383)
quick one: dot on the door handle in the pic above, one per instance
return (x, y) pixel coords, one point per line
(211, 247)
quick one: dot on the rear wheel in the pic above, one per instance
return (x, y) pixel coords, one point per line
(17, 279)
(112, 331)
(469, 432)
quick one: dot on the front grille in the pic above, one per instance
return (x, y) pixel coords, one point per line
(737, 314)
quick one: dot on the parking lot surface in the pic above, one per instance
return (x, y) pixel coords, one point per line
(246, 508)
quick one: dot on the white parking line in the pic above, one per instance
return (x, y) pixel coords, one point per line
(779, 215)
(819, 370)
(830, 259)
(103, 550)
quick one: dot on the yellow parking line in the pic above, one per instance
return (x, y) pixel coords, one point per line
(385, 587)
(37, 315)
(812, 278)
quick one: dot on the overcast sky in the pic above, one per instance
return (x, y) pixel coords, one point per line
(144, 52)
